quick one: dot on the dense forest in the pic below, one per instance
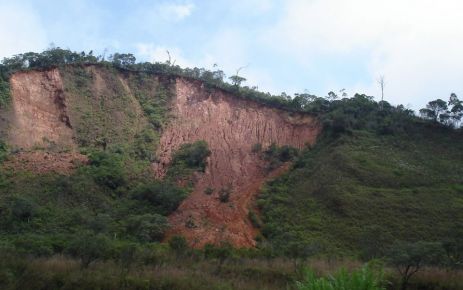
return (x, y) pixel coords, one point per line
(382, 186)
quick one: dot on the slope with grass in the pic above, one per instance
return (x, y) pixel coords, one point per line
(357, 193)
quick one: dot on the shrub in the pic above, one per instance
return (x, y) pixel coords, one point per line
(224, 194)
(147, 227)
(23, 209)
(3, 150)
(209, 191)
(178, 244)
(89, 247)
(165, 196)
(192, 155)
(107, 169)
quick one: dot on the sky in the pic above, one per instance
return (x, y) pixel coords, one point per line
(291, 46)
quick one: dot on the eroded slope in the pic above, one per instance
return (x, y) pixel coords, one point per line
(39, 113)
(230, 126)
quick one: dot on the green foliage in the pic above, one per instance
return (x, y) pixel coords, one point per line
(4, 93)
(107, 169)
(123, 60)
(88, 247)
(4, 150)
(163, 196)
(355, 194)
(147, 227)
(408, 258)
(178, 244)
(275, 155)
(190, 157)
(364, 278)
(453, 247)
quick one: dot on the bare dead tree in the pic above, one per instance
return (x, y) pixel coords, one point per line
(382, 84)
(240, 68)
(169, 61)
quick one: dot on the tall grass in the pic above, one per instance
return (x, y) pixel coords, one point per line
(365, 278)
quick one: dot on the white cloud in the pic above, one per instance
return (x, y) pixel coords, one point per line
(20, 30)
(226, 49)
(416, 44)
(175, 12)
(154, 53)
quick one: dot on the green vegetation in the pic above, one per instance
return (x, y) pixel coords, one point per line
(4, 93)
(380, 184)
(364, 278)
(188, 158)
(99, 212)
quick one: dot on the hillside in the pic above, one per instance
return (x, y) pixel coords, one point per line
(57, 114)
(113, 171)
(361, 192)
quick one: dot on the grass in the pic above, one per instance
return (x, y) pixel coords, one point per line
(365, 278)
(341, 190)
(100, 97)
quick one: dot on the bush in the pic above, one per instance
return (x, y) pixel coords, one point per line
(23, 209)
(89, 247)
(147, 227)
(224, 194)
(107, 169)
(209, 191)
(178, 244)
(3, 150)
(192, 155)
(165, 196)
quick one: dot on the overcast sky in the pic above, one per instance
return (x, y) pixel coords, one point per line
(292, 45)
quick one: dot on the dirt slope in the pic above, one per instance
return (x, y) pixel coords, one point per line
(230, 126)
(59, 110)
(39, 111)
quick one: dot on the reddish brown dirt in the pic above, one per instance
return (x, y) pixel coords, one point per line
(39, 111)
(45, 162)
(230, 126)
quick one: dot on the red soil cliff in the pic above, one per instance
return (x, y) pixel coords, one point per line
(230, 126)
(38, 110)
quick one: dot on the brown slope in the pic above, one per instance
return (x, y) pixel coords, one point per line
(230, 126)
(39, 112)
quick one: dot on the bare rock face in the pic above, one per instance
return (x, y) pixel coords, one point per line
(39, 110)
(230, 126)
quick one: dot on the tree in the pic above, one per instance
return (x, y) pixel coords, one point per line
(453, 247)
(434, 109)
(221, 253)
(456, 113)
(123, 59)
(237, 80)
(409, 258)
(303, 101)
(332, 96)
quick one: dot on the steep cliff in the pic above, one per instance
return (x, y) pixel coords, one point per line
(39, 110)
(231, 126)
(63, 110)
